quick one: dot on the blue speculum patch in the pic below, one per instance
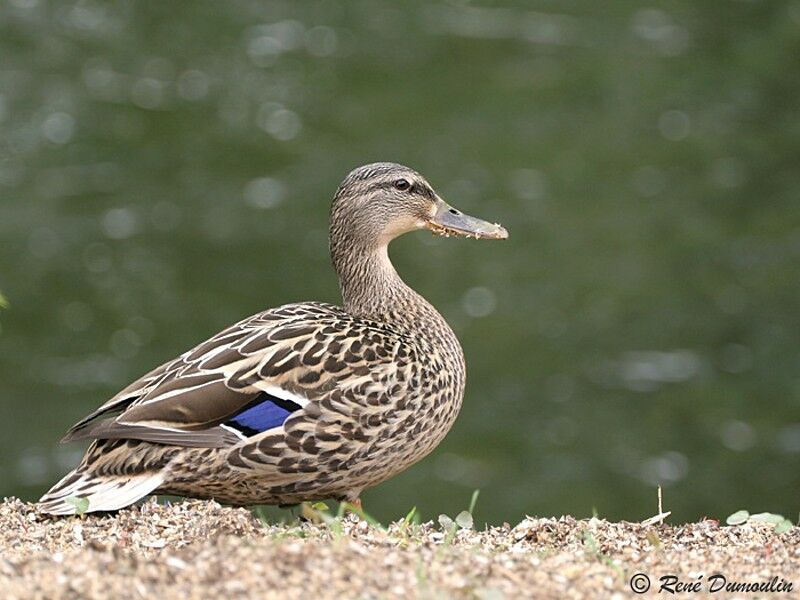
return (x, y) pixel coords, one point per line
(265, 412)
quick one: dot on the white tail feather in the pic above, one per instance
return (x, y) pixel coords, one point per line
(103, 493)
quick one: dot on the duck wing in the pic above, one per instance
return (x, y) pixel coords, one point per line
(245, 380)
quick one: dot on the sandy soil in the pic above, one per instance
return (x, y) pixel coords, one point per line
(197, 549)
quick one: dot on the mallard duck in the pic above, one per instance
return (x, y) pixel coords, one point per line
(302, 402)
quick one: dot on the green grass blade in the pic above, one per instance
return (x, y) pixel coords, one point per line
(473, 501)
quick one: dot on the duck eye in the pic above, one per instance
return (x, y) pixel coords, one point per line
(402, 185)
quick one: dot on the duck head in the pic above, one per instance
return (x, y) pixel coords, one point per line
(381, 201)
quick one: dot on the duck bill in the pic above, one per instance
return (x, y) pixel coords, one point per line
(449, 221)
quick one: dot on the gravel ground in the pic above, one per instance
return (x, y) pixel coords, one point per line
(198, 549)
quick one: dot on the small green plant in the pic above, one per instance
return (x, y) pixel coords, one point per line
(408, 527)
(653, 539)
(410, 521)
(449, 528)
(411, 518)
(463, 520)
(313, 511)
(319, 512)
(3, 303)
(80, 503)
(591, 543)
(781, 523)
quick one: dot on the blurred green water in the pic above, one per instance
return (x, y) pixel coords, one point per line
(166, 169)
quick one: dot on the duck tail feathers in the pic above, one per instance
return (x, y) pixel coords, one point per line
(82, 491)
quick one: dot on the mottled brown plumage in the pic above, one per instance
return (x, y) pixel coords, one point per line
(302, 402)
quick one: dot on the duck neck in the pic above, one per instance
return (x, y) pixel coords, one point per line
(369, 282)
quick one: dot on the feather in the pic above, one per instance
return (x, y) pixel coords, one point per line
(102, 493)
(184, 402)
(111, 429)
(266, 412)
